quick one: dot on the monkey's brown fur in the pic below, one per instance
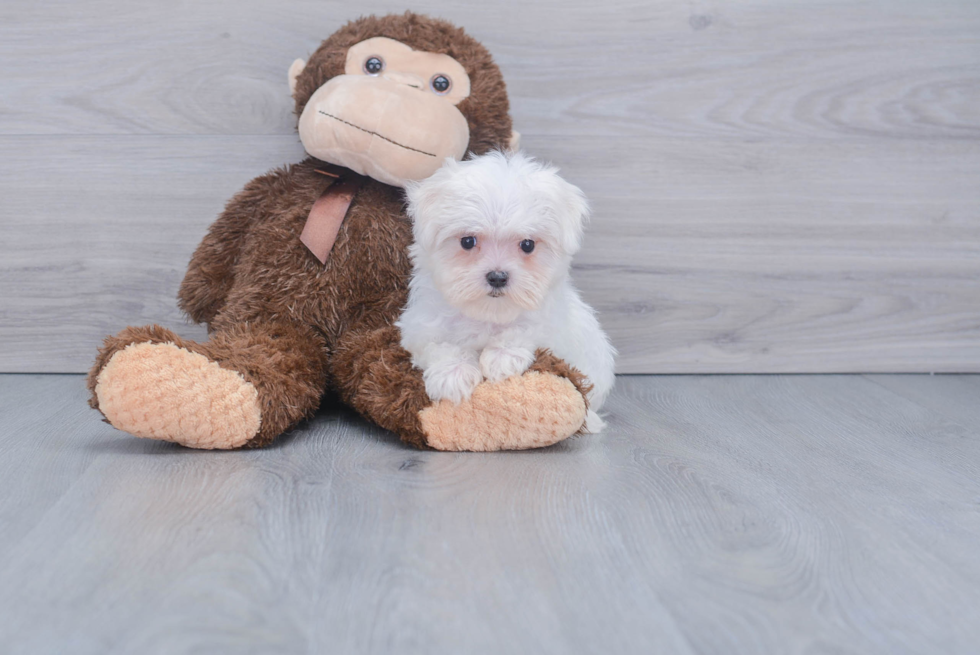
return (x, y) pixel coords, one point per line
(294, 327)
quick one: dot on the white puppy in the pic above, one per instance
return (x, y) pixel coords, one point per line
(494, 239)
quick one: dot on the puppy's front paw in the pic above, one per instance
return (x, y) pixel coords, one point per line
(501, 363)
(452, 379)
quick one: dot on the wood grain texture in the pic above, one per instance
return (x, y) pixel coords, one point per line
(778, 187)
(739, 514)
(98, 233)
(953, 396)
(846, 270)
(717, 68)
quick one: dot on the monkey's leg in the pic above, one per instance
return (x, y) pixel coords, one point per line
(374, 375)
(243, 387)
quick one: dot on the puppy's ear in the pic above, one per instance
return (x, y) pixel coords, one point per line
(423, 198)
(573, 213)
(419, 198)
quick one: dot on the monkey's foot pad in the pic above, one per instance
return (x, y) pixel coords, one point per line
(522, 412)
(160, 391)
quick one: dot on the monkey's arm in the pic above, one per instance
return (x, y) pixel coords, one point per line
(211, 272)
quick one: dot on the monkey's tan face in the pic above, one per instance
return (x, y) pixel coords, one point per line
(392, 115)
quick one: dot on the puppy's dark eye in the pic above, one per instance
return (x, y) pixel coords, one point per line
(527, 246)
(440, 84)
(467, 242)
(374, 65)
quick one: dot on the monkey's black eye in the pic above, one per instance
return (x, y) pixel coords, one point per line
(527, 246)
(467, 242)
(374, 65)
(440, 84)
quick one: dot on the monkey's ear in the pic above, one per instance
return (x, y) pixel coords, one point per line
(295, 69)
(514, 142)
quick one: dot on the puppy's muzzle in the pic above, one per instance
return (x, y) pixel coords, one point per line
(497, 279)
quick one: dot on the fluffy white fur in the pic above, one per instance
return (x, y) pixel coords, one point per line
(460, 329)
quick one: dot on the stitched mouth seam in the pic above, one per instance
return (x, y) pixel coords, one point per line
(380, 136)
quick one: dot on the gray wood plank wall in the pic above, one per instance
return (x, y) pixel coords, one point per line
(777, 186)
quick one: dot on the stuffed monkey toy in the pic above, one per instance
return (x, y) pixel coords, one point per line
(303, 275)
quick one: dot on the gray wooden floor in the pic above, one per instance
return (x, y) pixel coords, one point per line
(746, 514)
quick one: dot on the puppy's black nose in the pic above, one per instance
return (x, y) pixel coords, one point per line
(497, 279)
